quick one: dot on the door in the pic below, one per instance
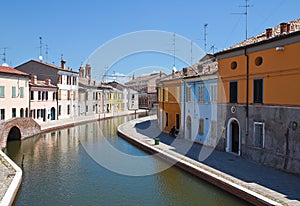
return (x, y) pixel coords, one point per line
(235, 136)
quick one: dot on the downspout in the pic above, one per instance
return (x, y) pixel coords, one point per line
(247, 91)
(183, 92)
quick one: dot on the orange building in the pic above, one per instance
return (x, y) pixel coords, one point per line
(260, 78)
(169, 102)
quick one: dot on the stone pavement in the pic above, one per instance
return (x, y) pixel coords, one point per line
(276, 185)
(7, 174)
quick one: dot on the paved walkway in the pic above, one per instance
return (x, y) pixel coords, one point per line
(7, 174)
(276, 185)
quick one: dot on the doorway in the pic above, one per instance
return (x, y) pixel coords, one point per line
(233, 136)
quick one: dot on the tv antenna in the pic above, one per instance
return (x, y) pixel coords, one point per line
(174, 46)
(46, 52)
(4, 55)
(246, 6)
(41, 50)
(205, 35)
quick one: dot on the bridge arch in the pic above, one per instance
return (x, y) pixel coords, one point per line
(17, 129)
(14, 134)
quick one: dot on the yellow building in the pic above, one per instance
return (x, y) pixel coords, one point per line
(169, 102)
(260, 78)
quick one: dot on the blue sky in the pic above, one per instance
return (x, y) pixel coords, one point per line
(77, 28)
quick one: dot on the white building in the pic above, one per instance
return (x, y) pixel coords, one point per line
(14, 93)
(64, 78)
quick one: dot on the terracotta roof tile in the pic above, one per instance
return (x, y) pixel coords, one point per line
(294, 26)
(9, 70)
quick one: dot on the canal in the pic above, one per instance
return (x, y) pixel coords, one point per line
(59, 170)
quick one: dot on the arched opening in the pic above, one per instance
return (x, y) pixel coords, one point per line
(233, 136)
(188, 128)
(26, 112)
(52, 113)
(14, 134)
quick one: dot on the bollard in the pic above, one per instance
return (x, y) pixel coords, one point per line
(156, 141)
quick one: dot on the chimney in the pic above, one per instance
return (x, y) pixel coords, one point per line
(63, 64)
(288, 27)
(269, 32)
(184, 70)
(81, 71)
(283, 28)
(88, 71)
(48, 82)
(33, 79)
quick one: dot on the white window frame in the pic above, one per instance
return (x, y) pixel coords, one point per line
(263, 134)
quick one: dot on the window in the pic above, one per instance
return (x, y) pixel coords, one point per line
(201, 127)
(258, 91)
(233, 65)
(69, 94)
(21, 112)
(177, 121)
(68, 109)
(2, 91)
(213, 129)
(39, 95)
(2, 114)
(167, 119)
(21, 92)
(13, 91)
(177, 93)
(86, 108)
(38, 113)
(233, 92)
(166, 94)
(46, 95)
(201, 93)
(31, 95)
(59, 79)
(259, 134)
(74, 80)
(13, 112)
(258, 61)
(59, 95)
(213, 93)
(86, 96)
(59, 109)
(54, 96)
(188, 94)
(74, 95)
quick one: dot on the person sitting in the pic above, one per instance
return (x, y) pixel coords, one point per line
(173, 132)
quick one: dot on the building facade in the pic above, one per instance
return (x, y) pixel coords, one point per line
(14, 93)
(146, 87)
(259, 77)
(66, 81)
(43, 100)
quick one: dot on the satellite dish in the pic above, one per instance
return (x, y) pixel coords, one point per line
(41, 58)
(174, 69)
(5, 65)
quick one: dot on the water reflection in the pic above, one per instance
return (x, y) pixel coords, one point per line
(59, 171)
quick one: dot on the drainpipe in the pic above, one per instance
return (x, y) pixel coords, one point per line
(183, 93)
(247, 91)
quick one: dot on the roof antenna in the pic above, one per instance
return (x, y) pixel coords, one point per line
(246, 6)
(4, 56)
(205, 35)
(41, 50)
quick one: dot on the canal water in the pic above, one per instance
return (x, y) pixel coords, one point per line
(59, 170)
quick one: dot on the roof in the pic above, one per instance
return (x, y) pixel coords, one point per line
(9, 70)
(51, 65)
(207, 65)
(145, 78)
(275, 32)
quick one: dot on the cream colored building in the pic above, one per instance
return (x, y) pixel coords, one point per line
(14, 93)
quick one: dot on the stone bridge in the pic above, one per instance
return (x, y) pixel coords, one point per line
(17, 129)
